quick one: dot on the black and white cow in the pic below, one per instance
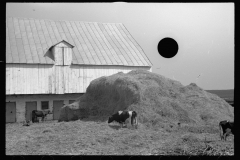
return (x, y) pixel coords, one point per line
(122, 116)
(226, 128)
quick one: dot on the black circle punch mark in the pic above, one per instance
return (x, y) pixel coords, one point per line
(167, 47)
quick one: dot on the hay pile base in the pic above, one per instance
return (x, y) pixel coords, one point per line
(159, 101)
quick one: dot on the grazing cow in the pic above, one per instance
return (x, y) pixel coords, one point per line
(226, 128)
(122, 116)
(36, 113)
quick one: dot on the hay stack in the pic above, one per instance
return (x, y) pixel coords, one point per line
(156, 98)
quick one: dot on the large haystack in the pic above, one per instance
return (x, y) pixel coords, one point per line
(157, 99)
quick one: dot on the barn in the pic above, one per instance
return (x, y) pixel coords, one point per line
(50, 63)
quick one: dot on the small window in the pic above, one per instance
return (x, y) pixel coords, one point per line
(45, 105)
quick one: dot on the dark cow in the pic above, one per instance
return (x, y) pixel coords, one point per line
(122, 116)
(37, 113)
(226, 128)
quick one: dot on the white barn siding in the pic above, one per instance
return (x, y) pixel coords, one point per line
(45, 79)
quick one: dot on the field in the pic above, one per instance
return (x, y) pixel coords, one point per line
(225, 94)
(91, 137)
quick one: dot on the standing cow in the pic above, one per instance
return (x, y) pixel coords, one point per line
(36, 113)
(122, 116)
(226, 128)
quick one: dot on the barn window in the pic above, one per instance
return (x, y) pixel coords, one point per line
(44, 105)
(62, 53)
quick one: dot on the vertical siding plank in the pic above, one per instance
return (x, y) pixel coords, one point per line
(65, 79)
(11, 78)
(19, 76)
(52, 81)
(48, 79)
(42, 79)
(37, 79)
(56, 79)
(15, 79)
(84, 78)
(70, 80)
(24, 78)
(31, 79)
(62, 79)
(80, 79)
(7, 80)
(74, 80)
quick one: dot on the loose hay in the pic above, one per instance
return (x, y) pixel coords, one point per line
(161, 104)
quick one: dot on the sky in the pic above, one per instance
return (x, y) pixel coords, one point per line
(204, 33)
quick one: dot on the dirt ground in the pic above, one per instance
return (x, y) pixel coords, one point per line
(89, 137)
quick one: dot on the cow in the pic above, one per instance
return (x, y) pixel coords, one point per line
(122, 116)
(37, 113)
(226, 128)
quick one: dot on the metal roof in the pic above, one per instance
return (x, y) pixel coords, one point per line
(27, 41)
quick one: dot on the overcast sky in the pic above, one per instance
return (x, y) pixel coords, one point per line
(203, 31)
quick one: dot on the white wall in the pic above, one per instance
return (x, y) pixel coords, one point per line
(45, 79)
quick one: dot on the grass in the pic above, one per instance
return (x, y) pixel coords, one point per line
(98, 138)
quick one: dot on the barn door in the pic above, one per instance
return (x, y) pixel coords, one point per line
(57, 105)
(30, 106)
(10, 112)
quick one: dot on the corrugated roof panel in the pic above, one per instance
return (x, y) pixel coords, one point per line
(96, 46)
(102, 46)
(143, 57)
(114, 47)
(28, 54)
(38, 25)
(131, 45)
(127, 47)
(79, 58)
(8, 51)
(106, 46)
(77, 52)
(42, 39)
(86, 44)
(63, 24)
(89, 42)
(25, 40)
(41, 54)
(59, 27)
(16, 28)
(21, 51)
(15, 54)
(34, 53)
(118, 41)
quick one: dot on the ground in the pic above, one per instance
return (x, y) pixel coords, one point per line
(91, 137)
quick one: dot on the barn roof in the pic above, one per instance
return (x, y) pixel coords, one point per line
(27, 41)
